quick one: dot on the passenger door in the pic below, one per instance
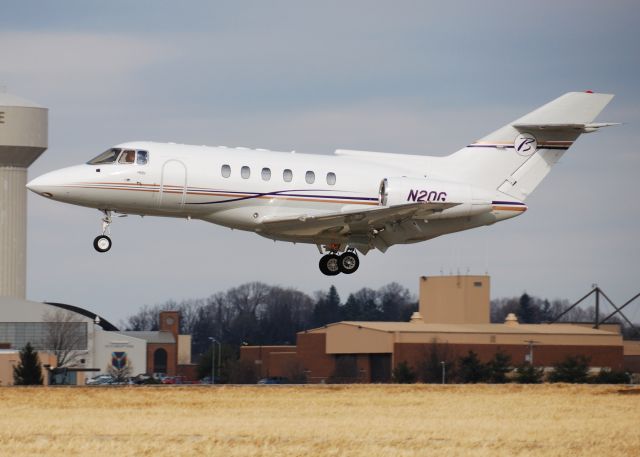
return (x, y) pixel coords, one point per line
(173, 185)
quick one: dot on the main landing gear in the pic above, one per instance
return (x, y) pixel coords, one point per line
(331, 264)
(102, 243)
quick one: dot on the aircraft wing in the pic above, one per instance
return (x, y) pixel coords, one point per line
(355, 222)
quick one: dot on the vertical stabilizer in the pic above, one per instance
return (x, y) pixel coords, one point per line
(515, 158)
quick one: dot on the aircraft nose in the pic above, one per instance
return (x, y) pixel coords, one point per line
(44, 185)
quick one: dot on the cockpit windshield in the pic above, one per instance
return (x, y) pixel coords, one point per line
(126, 156)
(108, 156)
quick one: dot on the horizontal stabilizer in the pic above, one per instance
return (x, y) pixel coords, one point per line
(582, 128)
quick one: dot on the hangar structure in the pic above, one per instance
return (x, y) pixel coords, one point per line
(453, 318)
(91, 342)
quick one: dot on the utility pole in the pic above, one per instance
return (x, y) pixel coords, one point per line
(529, 357)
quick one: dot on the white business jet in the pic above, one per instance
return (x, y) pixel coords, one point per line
(353, 201)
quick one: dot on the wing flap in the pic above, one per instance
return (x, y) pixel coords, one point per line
(359, 220)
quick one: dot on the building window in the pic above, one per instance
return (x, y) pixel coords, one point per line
(245, 172)
(160, 361)
(266, 174)
(226, 171)
(43, 335)
(310, 177)
(331, 179)
(287, 175)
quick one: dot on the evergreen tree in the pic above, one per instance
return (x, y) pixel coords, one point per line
(327, 308)
(574, 369)
(498, 367)
(527, 310)
(528, 374)
(471, 370)
(28, 372)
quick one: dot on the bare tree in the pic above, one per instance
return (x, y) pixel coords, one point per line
(120, 373)
(66, 337)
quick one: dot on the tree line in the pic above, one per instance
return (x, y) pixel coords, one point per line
(258, 314)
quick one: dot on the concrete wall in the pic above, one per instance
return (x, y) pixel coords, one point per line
(106, 343)
(184, 349)
(455, 299)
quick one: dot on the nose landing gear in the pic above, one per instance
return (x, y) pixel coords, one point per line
(331, 264)
(102, 243)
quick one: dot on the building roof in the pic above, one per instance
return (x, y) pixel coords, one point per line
(13, 309)
(411, 327)
(13, 100)
(159, 337)
(105, 324)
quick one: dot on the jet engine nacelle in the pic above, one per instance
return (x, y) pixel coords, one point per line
(469, 200)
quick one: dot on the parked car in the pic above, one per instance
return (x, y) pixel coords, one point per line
(101, 380)
(274, 380)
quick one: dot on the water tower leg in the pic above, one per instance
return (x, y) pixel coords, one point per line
(13, 231)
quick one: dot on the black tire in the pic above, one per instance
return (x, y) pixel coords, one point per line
(102, 243)
(349, 263)
(330, 264)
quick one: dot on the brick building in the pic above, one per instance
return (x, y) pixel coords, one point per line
(453, 319)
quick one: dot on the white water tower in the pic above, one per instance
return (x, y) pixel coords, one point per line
(23, 137)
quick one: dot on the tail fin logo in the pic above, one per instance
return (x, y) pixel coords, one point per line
(525, 144)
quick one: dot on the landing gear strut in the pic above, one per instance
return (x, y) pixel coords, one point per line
(102, 243)
(331, 264)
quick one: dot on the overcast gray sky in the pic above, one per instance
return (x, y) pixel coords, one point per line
(410, 77)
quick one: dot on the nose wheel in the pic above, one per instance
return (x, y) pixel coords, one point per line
(102, 243)
(331, 264)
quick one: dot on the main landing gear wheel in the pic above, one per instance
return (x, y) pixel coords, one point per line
(348, 263)
(330, 264)
(102, 243)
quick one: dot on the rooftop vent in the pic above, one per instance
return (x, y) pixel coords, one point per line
(511, 320)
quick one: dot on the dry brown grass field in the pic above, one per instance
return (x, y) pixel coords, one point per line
(356, 420)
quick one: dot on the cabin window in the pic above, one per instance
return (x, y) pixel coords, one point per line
(310, 177)
(108, 156)
(225, 171)
(245, 172)
(287, 175)
(143, 157)
(331, 179)
(127, 156)
(266, 174)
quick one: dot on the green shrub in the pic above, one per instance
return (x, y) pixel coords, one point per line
(611, 377)
(404, 374)
(573, 369)
(528, 374)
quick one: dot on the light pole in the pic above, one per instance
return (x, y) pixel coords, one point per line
(444, 371)
(213, 358)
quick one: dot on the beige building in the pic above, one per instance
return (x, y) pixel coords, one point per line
(453, 319)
